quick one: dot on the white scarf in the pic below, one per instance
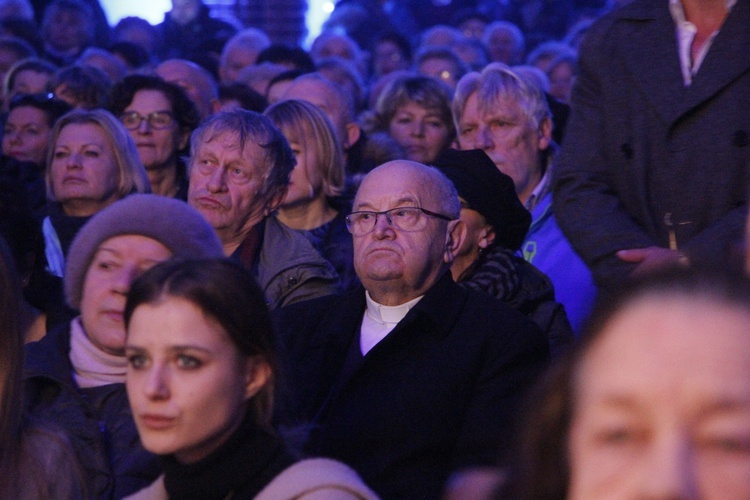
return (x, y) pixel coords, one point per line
(93, 367)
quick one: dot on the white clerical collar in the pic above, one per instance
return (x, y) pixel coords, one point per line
(388, 314)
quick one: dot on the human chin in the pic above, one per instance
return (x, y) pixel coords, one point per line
(107, 335)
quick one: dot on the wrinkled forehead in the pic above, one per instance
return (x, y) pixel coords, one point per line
(394, 184)
(227, 141)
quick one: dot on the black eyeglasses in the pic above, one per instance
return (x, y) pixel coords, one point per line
(403, 218)
(157, 120)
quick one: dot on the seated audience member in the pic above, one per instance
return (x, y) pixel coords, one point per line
(13, 50)
(293, 58)
(28, 127)
(159, 117)
(470, 22)
(190, 32)
(336, 44)
(197, 83)
(508, 118)
(239, 172)
(543, 55)
(240, 52)
(441, 63)
(83, 87)
(312, 205)
(36, 461)
(505, 43)
(416, 111)
(562, 75)
(211, 423)
(392, 52)
(440, 35)
(135, 59)
(27, 76)
(343, 73)
(67, 28)
(411, 376)
(259, 76)
(280, 83)
(668, 421)
(472, 52)
(137, 31)
(496, 225)
(338, 104)
(75, 375)
(105, 61)
(239, 95)
(92, 162)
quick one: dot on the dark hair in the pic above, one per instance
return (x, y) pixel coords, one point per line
(397, 39)
(543, 470)
(134, 55)
(284, 54)
(52, 108)
(227, 293)
(184, 110)
(248, 98)
(88, 86)
(28, 64)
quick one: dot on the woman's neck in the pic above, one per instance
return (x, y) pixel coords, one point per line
(309, 215)
(164, 180)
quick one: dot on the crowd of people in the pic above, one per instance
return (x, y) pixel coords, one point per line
(463, 250)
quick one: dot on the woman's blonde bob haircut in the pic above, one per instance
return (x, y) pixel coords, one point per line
(132, 174)
(307, 125)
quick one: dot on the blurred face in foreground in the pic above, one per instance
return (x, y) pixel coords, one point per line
(662, 403)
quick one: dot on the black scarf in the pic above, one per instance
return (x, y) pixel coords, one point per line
(240, 468)
(66, 226)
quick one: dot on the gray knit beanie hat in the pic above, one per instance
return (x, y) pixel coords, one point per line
(173, 223)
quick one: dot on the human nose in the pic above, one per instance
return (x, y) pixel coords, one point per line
(124, 277)
(217, 181)
(13, 137)
(156, 385)
(484, 139)
(668, 471)
(383, 226)
(417, 129)
(144, 127)
(75, 160)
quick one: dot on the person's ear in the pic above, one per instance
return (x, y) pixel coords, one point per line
(545, 133)
(454, 238)
(486, 237)
(257, 375)
(353, 132)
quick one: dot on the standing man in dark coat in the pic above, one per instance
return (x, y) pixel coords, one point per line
(412, 376)
(655, 163)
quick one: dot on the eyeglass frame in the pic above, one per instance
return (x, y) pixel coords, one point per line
(148, 118)
(390, 220)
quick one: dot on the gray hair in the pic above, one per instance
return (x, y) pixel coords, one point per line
(497, 83)
(276, 160)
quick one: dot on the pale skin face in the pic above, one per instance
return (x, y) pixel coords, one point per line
(189, 385)
(156, 148)
(509, 139)
(116, 264)
(662, 404)
(421, 132)
(83, 170)
(27, 135)
(319, 94)
(397, 266)
(225, 184)
(193, 81)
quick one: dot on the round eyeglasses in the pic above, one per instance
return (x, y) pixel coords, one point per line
(157, 120)
(403, 218)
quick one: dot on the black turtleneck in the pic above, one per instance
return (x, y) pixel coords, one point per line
(239, 469)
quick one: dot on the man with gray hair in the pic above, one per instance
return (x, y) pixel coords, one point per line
(411, 376)
(238, 172)
(508, 118)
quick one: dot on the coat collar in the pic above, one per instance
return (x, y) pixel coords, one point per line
(653, 61)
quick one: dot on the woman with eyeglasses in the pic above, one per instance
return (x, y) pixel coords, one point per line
(160, 118)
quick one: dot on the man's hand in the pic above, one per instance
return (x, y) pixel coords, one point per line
(650, 259)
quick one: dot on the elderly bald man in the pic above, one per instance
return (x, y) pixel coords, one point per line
(411, 376)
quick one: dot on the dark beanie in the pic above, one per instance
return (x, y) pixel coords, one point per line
(489, 192)
(173, 223)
